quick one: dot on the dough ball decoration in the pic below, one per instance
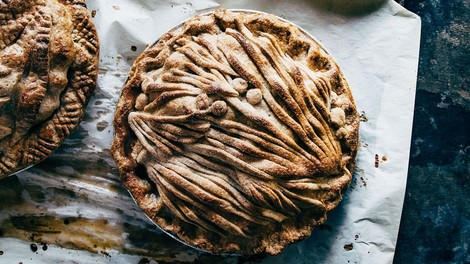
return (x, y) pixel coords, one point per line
(248, 135)
(48, 68)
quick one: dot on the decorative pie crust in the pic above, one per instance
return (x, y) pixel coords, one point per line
(236, 133)
(48, 70)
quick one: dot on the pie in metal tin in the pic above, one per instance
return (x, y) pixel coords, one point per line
(236, 132)
(48, 70)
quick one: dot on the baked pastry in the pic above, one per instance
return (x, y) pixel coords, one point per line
(236, 133)
(48, 70)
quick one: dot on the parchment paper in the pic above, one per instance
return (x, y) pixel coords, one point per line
(74, 210)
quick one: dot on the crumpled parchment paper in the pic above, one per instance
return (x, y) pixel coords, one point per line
(74, 210)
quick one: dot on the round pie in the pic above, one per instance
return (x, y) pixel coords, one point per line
(48, 70)
(236, 133)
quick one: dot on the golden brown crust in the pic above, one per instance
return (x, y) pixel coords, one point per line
(236, 133)
(48, 70)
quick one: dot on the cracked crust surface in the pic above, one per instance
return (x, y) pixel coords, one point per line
(48, 70)
(236, 133)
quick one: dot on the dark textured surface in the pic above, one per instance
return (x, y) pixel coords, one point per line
(435, 226)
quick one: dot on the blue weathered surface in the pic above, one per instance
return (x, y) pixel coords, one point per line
(435, 225)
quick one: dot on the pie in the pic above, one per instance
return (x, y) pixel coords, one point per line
(236, 133)
(48, 70)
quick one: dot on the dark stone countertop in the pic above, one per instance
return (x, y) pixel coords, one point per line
(435, 226)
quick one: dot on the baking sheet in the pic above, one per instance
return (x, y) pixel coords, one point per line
(72, 207)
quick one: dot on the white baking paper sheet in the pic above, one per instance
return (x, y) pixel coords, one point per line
(73, 202)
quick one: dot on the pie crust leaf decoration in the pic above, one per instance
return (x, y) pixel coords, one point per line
(236, 133)
(48, 70)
